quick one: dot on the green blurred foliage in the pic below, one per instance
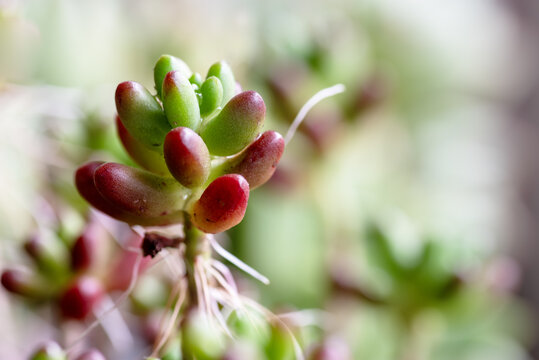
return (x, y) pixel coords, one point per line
(422, 158)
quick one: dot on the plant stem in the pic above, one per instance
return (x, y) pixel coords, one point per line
(196, 244)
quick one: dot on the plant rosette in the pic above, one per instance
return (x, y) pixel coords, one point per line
(200, 152)
(198, 146)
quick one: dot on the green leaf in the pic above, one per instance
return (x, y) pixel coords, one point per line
(166, 64)
(180, 101)
(236, 125)
(142, 115)
(222, 71)
(212, 95)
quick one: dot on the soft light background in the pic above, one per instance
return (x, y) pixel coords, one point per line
(446, 156)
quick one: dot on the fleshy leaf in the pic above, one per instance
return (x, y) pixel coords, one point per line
(137, 191)
(222, 71)
(149, 160)
(166, 64)
(84, 181)
(142, 115)
(196, 79)
(222, 205)
(236, 125)
(257, 162)
(180, 101)
(187, 157)
(212, 95)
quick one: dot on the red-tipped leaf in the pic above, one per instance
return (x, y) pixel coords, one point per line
(187, 157)
(146, 158)
(258, 161)
(84, 181)
(236, 125)
(222, 205)
(137, 191)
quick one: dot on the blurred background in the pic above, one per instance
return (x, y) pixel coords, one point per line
(405, 210)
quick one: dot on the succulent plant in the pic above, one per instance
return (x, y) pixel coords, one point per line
(198, 145)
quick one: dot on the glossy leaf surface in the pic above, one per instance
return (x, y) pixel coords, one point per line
(180, 101)
(222, 205)
(187, 157)
(142, 115)
(166, 64)
(146, 158)
(236, 125)
(223, 72)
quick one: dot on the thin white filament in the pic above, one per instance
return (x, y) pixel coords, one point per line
(315, 99)
(205, 284)
(217, 314)
(221, 268)
(228, 289)
(173, 266)
(172, 321)
(239, 264)
(173, 293)
(202, 291)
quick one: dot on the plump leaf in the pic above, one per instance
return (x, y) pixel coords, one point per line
(222, 205)
(180, 101)
(166, 64)
(84, 181)
(187, 157)
(196, 79)
(222, 71)
(138, 191)
(257, 162)
(236, 125)
(149, 160)
(142, 115)
(212, 95)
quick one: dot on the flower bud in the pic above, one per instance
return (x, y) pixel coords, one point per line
(166, 64)
(236, 125)
(222, 205)
(187, 157)
(180, 101)
(141, 115)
